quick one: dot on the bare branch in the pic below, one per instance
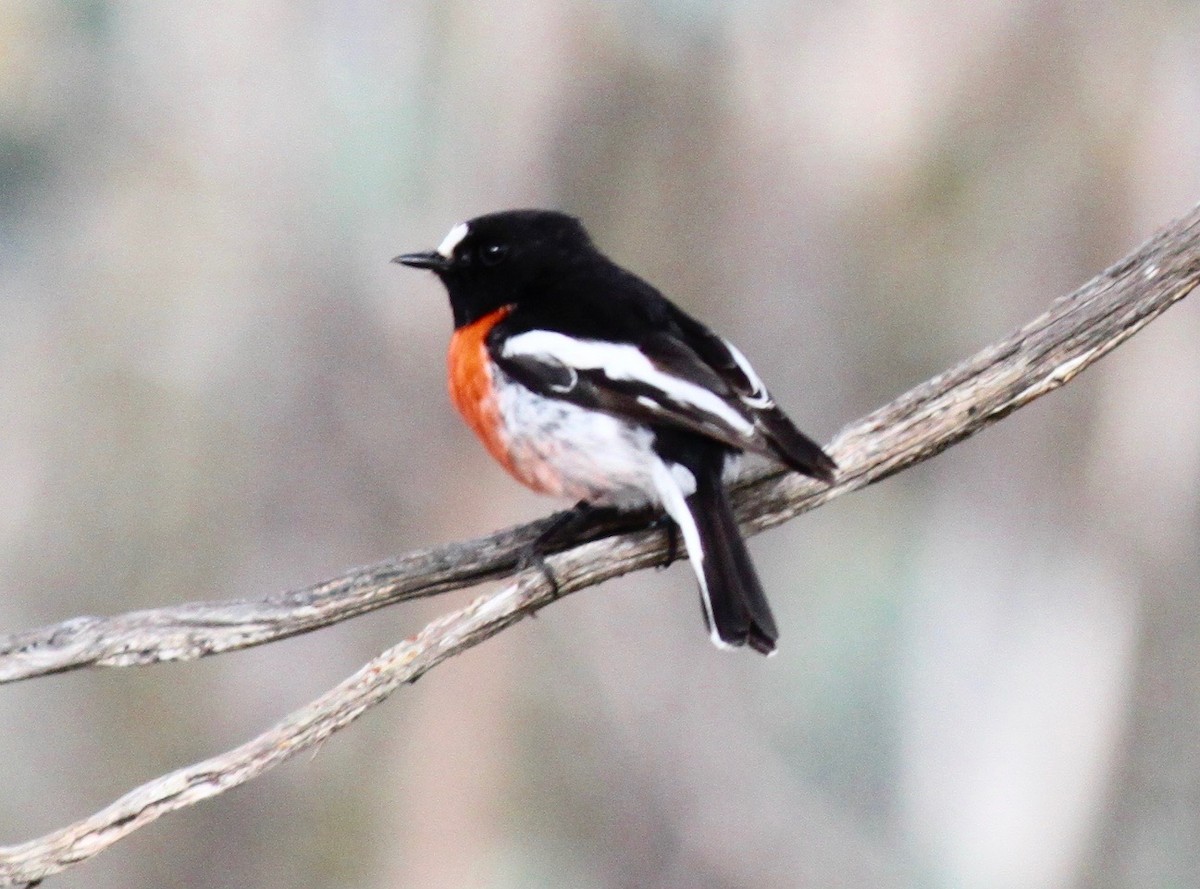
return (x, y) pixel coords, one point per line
(1040, 357)
(197, 629)
(1045, 354)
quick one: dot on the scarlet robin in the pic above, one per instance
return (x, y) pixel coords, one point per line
(584, 381)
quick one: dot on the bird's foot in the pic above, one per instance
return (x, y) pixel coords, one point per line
(555, 536)
(668, 526)
(531, 558)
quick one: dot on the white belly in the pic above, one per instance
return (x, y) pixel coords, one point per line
(574, 452)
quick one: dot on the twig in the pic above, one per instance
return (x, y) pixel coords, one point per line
(198, 629)
(1045, 354)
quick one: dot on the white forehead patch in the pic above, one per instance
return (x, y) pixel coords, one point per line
(452, 239)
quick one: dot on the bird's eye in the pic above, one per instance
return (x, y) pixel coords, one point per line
(492, 254)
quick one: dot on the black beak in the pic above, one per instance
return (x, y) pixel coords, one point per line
(430, 259)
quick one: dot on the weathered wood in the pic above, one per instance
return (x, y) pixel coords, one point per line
(1045, 354)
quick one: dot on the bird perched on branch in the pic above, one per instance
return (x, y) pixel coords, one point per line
(584, 381)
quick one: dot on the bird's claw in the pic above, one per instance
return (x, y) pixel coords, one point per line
(532, 557)
(668, 526)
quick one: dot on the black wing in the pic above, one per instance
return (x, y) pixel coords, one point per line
(686, 377)
(794, 448)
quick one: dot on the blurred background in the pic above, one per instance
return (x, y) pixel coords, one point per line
(213, 385)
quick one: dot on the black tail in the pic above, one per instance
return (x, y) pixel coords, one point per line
(736, 606)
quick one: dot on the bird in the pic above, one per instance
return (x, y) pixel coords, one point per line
(584, 381)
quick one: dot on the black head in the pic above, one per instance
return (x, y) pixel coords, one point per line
(496, 260)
